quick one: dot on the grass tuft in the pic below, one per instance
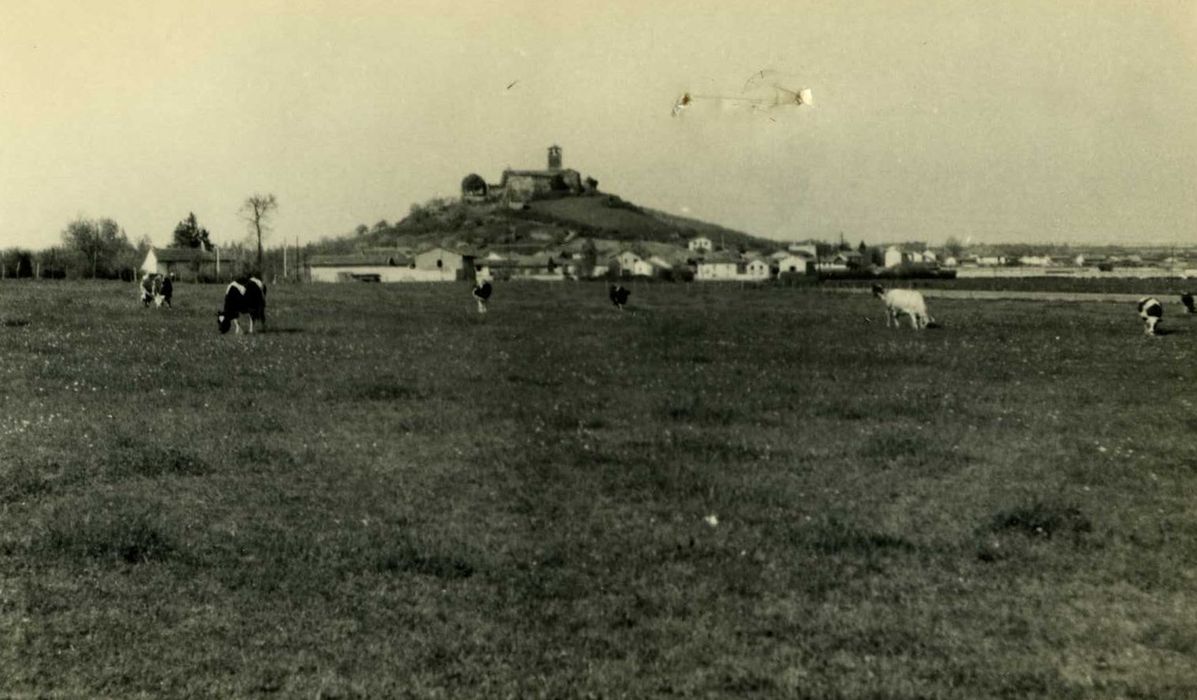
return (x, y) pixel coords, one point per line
(408, 559)
(131, 531)
(1041, 519)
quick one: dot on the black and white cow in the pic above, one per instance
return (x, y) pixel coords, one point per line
(482, 294)
(166, 291)
(242, 297)
(1187, 300)
(1151, 311)
(148, 288)
(619, 296)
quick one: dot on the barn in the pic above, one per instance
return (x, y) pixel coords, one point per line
(432, 265)
(191, 264)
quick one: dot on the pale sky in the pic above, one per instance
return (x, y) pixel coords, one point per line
(1067, 121)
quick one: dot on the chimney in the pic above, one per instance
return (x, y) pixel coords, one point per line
(554, 157)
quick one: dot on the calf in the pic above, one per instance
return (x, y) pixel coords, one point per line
(903, 301)
(1151, 311)
(246, 297)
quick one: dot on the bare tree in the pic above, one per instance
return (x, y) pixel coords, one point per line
(257, 210)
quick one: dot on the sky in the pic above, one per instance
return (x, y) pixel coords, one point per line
(1068, 122)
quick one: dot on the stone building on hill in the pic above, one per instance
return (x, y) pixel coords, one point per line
(521, 186)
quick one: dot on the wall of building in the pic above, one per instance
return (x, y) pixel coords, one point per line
(386, 273)
(716, 271)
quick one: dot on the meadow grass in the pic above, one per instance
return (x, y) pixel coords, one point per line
(390, 495)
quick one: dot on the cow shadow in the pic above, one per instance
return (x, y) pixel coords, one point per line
(284, 331)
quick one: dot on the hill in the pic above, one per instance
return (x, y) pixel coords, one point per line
(540, 224)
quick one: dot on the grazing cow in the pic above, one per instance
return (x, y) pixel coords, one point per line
(903, 301)
(148, 288)
(1187, 300)
(246, 296)
(166, 292)
(1152, 312)
(482, 295)
(619, 296)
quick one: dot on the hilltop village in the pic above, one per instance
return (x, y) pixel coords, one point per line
(554, 224)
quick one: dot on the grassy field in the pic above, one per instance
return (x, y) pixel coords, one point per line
(1157, 286)
(722, 492)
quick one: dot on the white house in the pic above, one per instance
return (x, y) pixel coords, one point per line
(893, 256)
(758, 269)
(700, 243)
(628, 260)
(450, 264)
(718, 267)
(798, 264)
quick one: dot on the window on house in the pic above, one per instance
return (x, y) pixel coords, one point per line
(440, 263)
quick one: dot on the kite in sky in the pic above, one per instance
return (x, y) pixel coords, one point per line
(763, 91)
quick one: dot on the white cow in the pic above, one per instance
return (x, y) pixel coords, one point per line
(903, 301)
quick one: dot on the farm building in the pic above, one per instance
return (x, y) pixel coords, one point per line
(375, 267)
(434, 265)
(541, 267)
(191, 264)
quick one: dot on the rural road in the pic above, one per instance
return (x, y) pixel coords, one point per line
(1021, 295)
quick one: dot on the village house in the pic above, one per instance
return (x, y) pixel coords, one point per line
(632, 264)
(701, 244)
(840, 260)
(796, 264)
(719, 267)
(191, 264)
(758, 269)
